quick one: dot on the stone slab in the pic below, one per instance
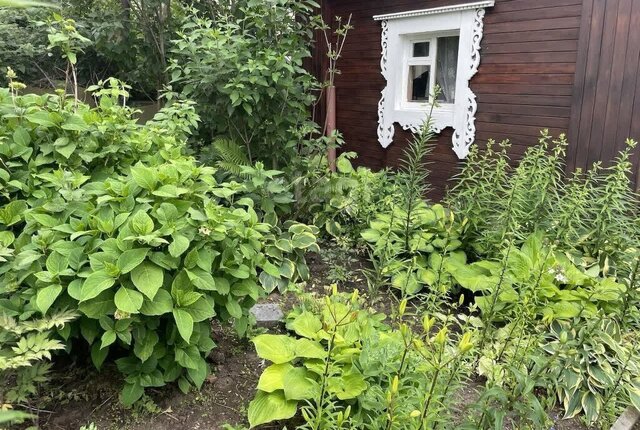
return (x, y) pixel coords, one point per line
(267, 313)
(627, 420)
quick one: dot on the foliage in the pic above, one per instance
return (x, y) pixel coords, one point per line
(111, 219)
(22, 44)
(551, 282)
(244, 68)
(591, 215)
(347, 369)
(597, 368)
(344, 202)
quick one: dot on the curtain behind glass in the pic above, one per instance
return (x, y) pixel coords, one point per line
(446, 68)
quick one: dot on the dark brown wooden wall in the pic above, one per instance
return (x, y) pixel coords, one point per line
(606, 94)
(524, 82)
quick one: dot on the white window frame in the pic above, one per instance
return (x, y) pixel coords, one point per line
(399, 32)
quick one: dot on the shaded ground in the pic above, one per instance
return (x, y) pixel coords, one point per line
(78, 396)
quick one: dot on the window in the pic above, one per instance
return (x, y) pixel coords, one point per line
(425, 68)
(423, 49)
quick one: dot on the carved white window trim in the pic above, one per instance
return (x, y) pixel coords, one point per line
(396, 29)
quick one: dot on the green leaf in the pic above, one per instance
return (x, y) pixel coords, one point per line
(161, 304)
(299, 385)
(128, 300)
(21, 136)
(131, 393)
(179, 245)
(233, 307)
(143, 176)
(143, 348)
(347, 386)
(306, 325)
(98, 355)
(201, 310)
(148, 278)
(46, 296)
(142, 224)
(306, 348)
(273, 377)
(201, 279)
(131, 259)
(67, 150)
(169, 191)
(95, 284)
(278, 349)
(267, 407)
(303, 240)
(184, 322)
(199, 374)
(57, 263)
(108, 337)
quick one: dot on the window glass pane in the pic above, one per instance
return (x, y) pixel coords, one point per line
(447, 67)
(419, 77)
(421, 49)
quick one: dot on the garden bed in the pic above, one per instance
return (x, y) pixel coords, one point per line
(79, 395)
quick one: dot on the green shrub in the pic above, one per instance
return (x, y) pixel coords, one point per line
(342, 203)
(111, 219)
(245, 69)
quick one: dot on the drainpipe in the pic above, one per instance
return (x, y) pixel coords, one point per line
(331, 126)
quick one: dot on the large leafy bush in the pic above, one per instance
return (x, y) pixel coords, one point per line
(245, 69)
(111, 219)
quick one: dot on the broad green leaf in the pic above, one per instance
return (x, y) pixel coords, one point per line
(267, 407)
(98, 355)
(148, 278)
(233, 307)
(142, 224)
(348, 386)
(161, 304)
(95, 284)
(273, 377)
(131, 393)
(143, 176)
(169, 191)
(67, 150)
(201, 279)
(21, 136)
(184, 322)
(299, 385)
(128, 300)
(306, 325)
(56, 263)
(179, 245)
(201, 310)
(199, 374)
(275, 348)
(131, 259)
(99, 306)
(306, 348)
(46, 296)
(143, 348)
(108, 338)
(303, 240)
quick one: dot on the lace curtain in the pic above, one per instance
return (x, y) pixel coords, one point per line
(446, 68)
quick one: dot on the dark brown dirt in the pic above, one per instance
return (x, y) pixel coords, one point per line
(223, 398)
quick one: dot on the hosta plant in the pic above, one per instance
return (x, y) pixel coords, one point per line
(413, 246)
(344, 368)
(316, 368)
(535, 274)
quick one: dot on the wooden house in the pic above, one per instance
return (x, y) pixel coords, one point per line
(508, 69)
